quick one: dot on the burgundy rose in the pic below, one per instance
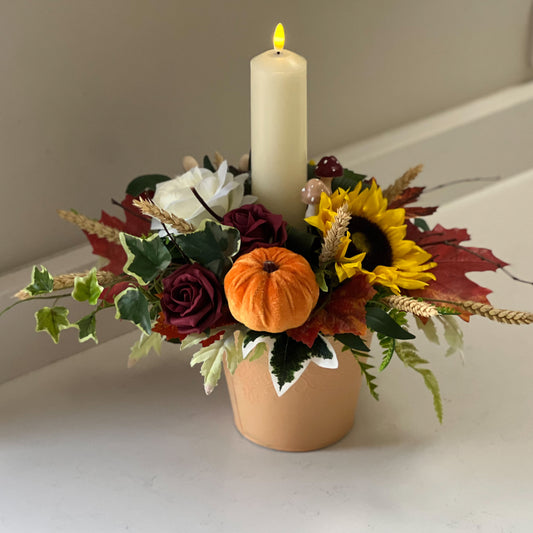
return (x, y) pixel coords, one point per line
(193, 299)
(259, 228)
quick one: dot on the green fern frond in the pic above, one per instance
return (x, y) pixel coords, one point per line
(406, 351)
(388, 344)
(365, 371)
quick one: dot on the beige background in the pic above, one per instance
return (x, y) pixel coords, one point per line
(96, 92)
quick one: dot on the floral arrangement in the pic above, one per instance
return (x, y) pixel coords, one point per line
(199, 261)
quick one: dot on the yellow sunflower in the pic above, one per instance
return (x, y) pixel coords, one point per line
(375, 243)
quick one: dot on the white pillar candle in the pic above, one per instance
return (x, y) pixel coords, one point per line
(279, 129)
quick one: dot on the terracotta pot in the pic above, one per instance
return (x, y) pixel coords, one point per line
(318, 410)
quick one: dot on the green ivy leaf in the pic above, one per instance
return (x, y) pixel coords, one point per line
(347, 181)
(354, 342)
(406, 351)
(146, 257)
(53, 320)
(131, 304)
(41, 281)
(379, 320)
(144, 346)
(87, 328)
(145, 183)
(87, 288)
(212, 245)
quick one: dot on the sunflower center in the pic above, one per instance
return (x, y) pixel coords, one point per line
(368, 237)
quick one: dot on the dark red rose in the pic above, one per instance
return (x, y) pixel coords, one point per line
(193, 299)
(259, 228)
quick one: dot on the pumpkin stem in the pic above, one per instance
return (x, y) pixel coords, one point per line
(270, 266)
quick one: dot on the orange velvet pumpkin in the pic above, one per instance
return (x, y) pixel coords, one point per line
(271, 289)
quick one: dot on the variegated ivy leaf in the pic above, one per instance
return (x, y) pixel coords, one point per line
(53, 320)
(131, 304)
(146, 258)
(87, 328)
(212, 245)
(87, 288)
(41, 282)
(144, 346)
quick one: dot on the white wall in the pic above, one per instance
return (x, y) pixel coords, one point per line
(95, 92)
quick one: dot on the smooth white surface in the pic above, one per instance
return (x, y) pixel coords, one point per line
(87, 445)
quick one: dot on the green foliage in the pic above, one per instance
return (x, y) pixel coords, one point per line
(288, 356)
(87, 288)
(311, 171)
(406, 351)
(211, 358)
(52, 320)
(304, 243)
(131, 304)
(146, 257)
(421, 224)
(453, 335)
(208, 164)
(443, 310)
(380, 321)
(429, 329)
(388, 344)
(257, 352)
(366, 372)
(144, 346)
(87, 328)
(145, 183)
(354, 342)
(41, 281)
(212, 245)
(347, 181)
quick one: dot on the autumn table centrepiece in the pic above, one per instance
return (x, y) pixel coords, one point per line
(283, 297)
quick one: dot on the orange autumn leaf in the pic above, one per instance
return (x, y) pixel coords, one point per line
(343, 313)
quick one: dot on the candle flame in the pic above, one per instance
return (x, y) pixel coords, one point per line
(279, 37)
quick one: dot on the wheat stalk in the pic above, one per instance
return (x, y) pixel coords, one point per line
(149, 208)
(411, 305)
(66, 281)
(332, 239)
(506, 316)
(91, 226)
(394, 190)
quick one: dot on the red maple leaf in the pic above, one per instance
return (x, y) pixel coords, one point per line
(136, 224)
(343, 313)
(409, 195)
(453, 261)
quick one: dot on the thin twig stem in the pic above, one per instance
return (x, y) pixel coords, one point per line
(205, 206)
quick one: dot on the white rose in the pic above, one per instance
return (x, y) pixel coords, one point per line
(221, 191)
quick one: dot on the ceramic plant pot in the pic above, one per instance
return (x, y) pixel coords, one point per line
(318, 410)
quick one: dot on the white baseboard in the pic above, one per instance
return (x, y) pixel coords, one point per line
(489, 137)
